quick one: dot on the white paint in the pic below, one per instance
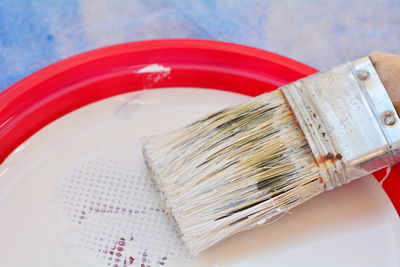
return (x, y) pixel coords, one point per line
(355, 225)
(155, 73)
(154, 68)
(388, 170)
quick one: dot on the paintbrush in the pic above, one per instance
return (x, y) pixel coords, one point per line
(242, 166)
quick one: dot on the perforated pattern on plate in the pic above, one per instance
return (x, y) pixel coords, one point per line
(111, 211)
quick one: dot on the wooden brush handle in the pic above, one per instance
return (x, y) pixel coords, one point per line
(388, 68)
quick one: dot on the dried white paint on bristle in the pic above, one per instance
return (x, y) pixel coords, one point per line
(233, 170)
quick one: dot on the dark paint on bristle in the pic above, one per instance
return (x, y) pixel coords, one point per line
(232, 170)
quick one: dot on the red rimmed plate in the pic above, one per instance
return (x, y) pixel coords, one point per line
(74, 192)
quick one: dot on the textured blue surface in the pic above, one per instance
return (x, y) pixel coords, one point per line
(34, 34)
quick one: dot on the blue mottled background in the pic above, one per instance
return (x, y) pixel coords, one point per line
(34, 34)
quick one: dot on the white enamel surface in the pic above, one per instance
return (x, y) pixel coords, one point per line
(45, 178)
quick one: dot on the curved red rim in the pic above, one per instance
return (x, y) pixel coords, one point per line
(51, 92)
(44, 96)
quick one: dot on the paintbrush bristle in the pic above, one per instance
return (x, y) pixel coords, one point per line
(232, 170)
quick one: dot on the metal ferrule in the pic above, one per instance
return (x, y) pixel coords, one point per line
(348, 120)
